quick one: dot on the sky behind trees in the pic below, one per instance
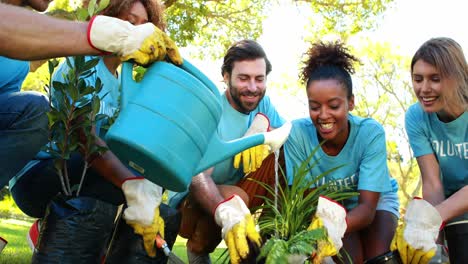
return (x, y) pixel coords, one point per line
(406, 25)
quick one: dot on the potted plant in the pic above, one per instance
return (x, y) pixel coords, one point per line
(74, 229)
(287, 213)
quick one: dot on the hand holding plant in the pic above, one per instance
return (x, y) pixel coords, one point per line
(238, 229)
(142, 213)
(286, 218)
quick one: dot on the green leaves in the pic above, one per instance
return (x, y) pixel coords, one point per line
(286, 216)
(83, 13)
(74, 112)
(299, 246)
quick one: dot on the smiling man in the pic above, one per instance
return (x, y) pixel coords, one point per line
(215, 207)
(246, 84)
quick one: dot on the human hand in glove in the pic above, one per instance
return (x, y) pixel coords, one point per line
(142, 212)
(143, 43)
(331, 216)
(252, 158)
(238, 228)
(416, 238)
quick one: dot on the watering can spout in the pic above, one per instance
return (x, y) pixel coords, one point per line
(219, 150)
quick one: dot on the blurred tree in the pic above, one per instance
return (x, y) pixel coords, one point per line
(212, 25)
(383, 92)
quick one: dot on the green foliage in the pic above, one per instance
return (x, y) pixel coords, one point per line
(74, 108)
(74, 10)
(385, 93)
(286, 217)
(348, 17)
(139, 72)
(299, 246)
(73, 112)
(9, 209)
(211, 26)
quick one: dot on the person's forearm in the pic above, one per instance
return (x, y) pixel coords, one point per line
(433, 192)
(455, 205)
(28, 35)
(205, 191)
(359, 217)
(432, 187)
(110, 167)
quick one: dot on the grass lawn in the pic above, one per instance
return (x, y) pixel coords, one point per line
(17, 250)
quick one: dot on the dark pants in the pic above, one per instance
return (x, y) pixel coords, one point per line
(35, 189)
(23, 130)
(40, 185)
(456, 234)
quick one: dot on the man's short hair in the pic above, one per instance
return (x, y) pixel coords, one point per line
(244, 50)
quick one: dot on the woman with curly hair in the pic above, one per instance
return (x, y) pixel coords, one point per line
(354, 149)
(153, 8)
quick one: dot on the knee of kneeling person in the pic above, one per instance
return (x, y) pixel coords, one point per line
(230, 190)
(38, 101)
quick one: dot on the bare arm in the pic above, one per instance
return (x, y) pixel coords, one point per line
(362, 215)
(110, 167)
(205, 191)
(433, 190)
(455, 205)
(28, 35)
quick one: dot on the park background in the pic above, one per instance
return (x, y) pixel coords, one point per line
(384, 34)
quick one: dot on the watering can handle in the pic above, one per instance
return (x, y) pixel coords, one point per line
(128, 85)
(195, 72)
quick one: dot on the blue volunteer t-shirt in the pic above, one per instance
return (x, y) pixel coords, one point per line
(109, 96)
(12, 74)
(447, 141)
(363, 157)
(233, 125)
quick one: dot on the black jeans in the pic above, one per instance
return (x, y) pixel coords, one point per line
(35, 189)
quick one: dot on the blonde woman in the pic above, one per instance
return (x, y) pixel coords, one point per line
(437, 127)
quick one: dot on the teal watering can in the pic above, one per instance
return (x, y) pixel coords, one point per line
(167, 127)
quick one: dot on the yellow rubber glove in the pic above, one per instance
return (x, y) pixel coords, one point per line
(149, 232)
(252, 158)
(142, 213)
(143, 43)
(331, 216)
(415, 238)
(238, 228)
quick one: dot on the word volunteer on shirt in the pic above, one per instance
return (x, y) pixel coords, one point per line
(449, 149)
